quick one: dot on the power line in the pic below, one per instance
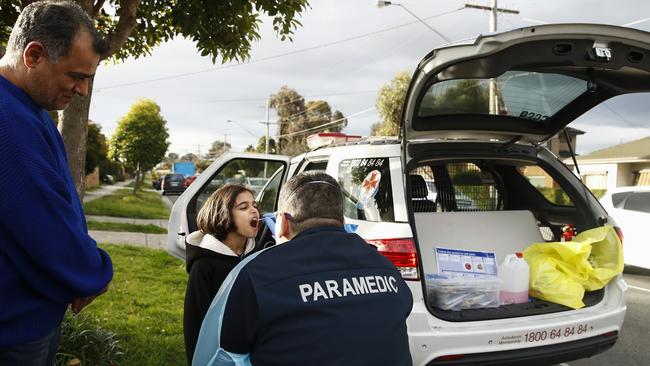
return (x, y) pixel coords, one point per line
(326, 124)
(623, 119)
(272, 57)
(306, 96)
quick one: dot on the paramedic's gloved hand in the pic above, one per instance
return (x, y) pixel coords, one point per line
(81, 302)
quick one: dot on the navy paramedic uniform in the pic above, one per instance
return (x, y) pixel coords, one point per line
(324, 298)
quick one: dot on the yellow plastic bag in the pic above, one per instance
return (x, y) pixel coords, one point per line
(560, 272)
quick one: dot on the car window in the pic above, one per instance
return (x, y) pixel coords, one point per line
(237, 171)
(618, 199)
(545, 184)
(528, 95)
(268, 196)
(320, 166)
(367, 190)
(453, 187)
(638, 201)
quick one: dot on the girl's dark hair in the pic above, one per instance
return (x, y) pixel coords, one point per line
(214, 217)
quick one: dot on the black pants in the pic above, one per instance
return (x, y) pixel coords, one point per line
(40, 352)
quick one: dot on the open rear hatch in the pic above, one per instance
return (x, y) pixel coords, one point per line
(518, 87)
(526, 84)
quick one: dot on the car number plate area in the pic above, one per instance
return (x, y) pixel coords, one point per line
(540, 336)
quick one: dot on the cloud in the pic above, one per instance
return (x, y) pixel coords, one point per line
(196, 109)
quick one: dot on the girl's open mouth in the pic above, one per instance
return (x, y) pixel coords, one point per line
(254, 223)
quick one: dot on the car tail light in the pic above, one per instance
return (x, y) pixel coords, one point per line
(611, 334)
(402, 253)
(450, 358)
(619, 232)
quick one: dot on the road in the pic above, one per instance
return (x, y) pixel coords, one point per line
(632, 346)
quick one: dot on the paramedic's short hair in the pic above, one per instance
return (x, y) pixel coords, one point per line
(312, 199)
(215, 217)
(54, 24)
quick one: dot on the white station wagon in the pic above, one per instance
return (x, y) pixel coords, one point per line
(474, 124)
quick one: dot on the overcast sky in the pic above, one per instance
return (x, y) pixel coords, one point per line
(329, 60)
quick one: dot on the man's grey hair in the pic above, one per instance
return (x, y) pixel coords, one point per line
(312, 199)
(54, 24)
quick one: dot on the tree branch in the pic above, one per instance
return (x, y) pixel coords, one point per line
(24, 3)
(125, 25)
(97, 8)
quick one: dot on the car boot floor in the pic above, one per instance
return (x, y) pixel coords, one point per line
(533, 307)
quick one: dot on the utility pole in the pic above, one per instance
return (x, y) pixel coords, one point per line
(268, 106)
(225, 141)
(494, 10)
(268, 135)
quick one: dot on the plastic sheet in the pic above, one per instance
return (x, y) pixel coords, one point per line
(560, 272)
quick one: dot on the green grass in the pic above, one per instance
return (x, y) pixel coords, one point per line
(144, 306)
(133, 228)
(122, 203)
(145, 184)
(92, 189)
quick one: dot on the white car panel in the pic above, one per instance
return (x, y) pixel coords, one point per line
(634, 224)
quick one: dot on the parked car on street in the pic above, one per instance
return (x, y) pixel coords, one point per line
(474, 121)
(189, 180)
(256, 183)
(108, 179)
(155, 183)
(630, 206)
(172, 184)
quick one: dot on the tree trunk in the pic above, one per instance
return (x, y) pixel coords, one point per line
(73, 126)
(137, 178)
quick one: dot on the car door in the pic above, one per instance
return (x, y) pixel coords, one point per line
(236, 168)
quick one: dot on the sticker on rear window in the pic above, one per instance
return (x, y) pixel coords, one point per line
(370, 186)
(533, 116)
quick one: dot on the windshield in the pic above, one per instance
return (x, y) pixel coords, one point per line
(529, 95)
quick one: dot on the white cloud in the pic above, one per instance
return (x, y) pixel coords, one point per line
(194, 106)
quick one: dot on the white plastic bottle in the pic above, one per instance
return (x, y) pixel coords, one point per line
(514, 274)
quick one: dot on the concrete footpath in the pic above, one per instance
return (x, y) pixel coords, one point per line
(105, 190)
(152, 241)
(126, 220)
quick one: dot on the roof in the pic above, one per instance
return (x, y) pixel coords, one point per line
(633, 151)
(575, 131)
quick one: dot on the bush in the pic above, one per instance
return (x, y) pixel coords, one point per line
(83, 339)
(599, 193)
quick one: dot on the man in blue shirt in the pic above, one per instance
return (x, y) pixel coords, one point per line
(321, 297)
(47, 259)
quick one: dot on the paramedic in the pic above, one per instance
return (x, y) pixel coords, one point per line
(321, 297)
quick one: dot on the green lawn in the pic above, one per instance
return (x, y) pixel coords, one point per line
(133, 228)
(92, 189)
(122, 203)
(145, 184)
(144, 306)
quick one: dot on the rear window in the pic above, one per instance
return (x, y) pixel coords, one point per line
(529, 95)
(545, 184)
(174, 178)
(444, 187)
(367, 190)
